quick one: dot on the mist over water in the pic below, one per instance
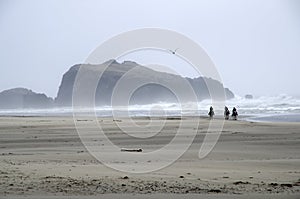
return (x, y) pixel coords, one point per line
(282, 107)
(281, 104)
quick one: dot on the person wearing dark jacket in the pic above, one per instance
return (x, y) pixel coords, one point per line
(211, 112)
(226, 113)
(234, 114)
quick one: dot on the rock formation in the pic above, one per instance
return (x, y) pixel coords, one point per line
(18, 98)
(150, 93)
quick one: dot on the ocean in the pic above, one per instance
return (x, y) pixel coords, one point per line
(282, 108)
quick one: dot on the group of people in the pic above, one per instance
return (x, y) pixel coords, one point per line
(234, 114)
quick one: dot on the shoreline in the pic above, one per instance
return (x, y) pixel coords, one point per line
(252, 114)
(276, 118)
(259, 118)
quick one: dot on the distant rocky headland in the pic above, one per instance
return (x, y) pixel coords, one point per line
(19, 98)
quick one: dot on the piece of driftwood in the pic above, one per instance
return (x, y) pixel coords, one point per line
(131, 150)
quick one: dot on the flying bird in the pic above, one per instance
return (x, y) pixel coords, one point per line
(174, 51)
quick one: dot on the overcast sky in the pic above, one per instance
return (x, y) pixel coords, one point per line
(255, 44)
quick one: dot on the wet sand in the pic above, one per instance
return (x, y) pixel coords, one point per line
(44, 156)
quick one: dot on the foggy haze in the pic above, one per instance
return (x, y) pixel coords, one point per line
(255, 45)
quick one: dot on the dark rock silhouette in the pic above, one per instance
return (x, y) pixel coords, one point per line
(248, 96)
(149, 93)
(19, 98)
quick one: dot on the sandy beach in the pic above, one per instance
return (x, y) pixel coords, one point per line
(44, 157)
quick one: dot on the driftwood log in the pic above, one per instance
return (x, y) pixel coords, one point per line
(131, 150)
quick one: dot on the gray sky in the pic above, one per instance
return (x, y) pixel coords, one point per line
(255, 44)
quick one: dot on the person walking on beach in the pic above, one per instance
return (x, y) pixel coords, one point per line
(234, 114)
(211, 112)
(226, 113)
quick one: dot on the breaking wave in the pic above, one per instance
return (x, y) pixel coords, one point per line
(282, 104)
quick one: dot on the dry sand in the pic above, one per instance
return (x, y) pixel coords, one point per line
(44, 157)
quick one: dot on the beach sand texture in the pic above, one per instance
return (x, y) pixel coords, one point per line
(44, 156)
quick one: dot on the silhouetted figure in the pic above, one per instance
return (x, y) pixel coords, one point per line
(234, 114)
(211, 112)
(226, 113)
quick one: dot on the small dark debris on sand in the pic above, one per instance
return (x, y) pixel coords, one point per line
(241, 182)
(274, 184)
(132, 150)
(173, 118)
(214, 191)
(83, 120)
(297, 183)
(286, 185)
